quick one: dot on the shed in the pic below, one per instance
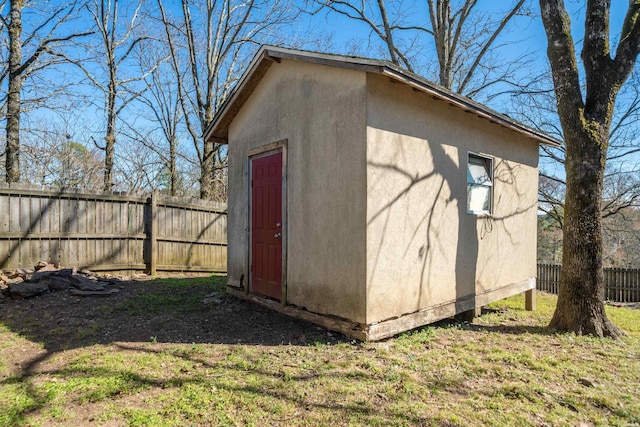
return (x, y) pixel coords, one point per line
(369, 200)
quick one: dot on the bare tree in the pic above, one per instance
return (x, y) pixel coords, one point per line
(136, 168)
(449, 26)
(621, 238)
(4, 53)
(27, 55)
(109, 68)
(549, 250)
(621, 187)
(586, 124)
(537, 108)
(464, 38)
(384, 24)
(160, 106)
(53, 159)
(207, 63)
(12, 152)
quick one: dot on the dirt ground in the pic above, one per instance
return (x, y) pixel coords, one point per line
(144, 311)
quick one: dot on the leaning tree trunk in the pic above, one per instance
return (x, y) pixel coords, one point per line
(580, 306)
(12, 159)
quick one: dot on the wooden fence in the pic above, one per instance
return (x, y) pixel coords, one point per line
(111, 231)
(621, 284)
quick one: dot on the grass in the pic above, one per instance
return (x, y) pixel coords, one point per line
(503, 369)
(171, 295)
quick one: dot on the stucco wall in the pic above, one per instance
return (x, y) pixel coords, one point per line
(320, 111)
(423, 248)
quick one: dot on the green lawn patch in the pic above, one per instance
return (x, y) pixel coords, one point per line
(503, 369)
(173, 295)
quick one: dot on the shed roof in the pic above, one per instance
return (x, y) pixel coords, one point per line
(219, 128)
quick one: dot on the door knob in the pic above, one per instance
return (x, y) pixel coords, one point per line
(277, 235)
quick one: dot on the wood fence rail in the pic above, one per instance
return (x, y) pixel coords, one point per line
(111, 231)
(621, 284)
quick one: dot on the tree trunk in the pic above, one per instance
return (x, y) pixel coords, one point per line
(12, 160)
(440, 14)
(109, 152)
(110, 137)
(206, 171)
(387, 32)
(208, 165)
(173, 168)
(580, 305)
(586, 121)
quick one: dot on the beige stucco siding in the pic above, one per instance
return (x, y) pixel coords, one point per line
(320, 112)
(423, 248)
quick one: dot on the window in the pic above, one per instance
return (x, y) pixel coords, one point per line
(479, 183)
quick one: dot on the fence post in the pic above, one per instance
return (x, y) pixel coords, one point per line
(153, 233)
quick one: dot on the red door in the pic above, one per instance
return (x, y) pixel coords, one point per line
(266, 225)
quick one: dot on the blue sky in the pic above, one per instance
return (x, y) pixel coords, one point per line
(524, 34)
(334, 33)
(528, 32)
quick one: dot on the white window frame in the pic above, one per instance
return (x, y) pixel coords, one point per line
(489, 165)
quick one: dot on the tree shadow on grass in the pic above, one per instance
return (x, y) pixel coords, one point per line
(162, 311)
(460, 322)
(222, 374)
(189, 310)
(228, 380)
(512, 329)
(146, 316)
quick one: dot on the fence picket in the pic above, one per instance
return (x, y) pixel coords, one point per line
(621, 284)
(107, 232)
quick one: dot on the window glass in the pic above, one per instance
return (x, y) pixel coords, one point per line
(479, 183)
(478, 171)
(478, 198)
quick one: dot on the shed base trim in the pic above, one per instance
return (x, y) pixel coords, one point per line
(390, 327)
(344, 326)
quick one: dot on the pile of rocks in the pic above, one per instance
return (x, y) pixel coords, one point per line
(44, 277)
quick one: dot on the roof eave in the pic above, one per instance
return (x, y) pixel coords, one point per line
(267, 55)
(470, 106)
(219, 128)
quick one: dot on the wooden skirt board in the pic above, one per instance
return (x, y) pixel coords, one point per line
(266, 225)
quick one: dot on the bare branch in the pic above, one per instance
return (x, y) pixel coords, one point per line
(562, 57)
(629, 46)
(488, 43)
